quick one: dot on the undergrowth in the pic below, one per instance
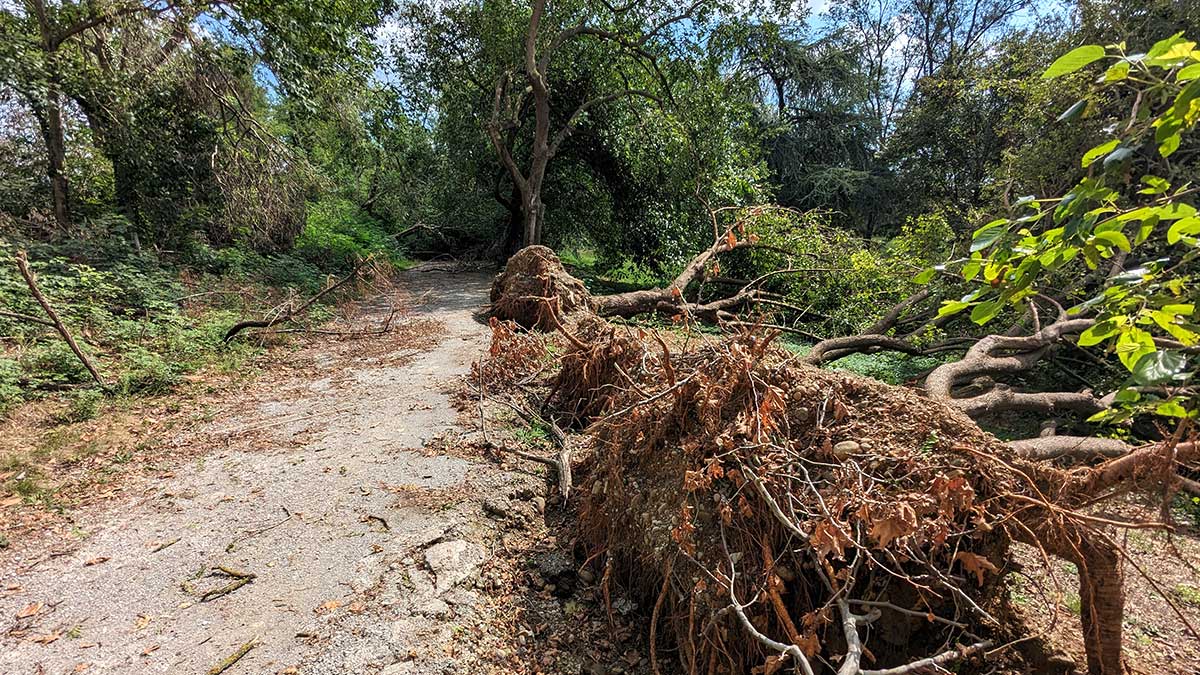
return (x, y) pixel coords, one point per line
(145, 320)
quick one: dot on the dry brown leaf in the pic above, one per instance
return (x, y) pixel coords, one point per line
(357, 607)
(976, 564)
(901, 523)
(47, 638)
(30, 610)
(142, 622)
(96, 561)
(328, 606)
(809, 644)
(828, 539)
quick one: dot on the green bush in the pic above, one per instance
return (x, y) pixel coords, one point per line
(126, 314)
(53, 366)
(845, 283)
(148, 373)
(10, 384)
(338, 234)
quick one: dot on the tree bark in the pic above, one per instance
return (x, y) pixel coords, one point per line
(546, 140)
(50, 119)
(56, 155)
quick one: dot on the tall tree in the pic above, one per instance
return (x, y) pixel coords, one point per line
(105, 59)
(636, 35)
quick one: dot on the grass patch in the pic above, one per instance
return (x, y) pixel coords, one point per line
(890, 367)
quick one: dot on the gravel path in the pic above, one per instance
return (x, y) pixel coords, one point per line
(365, 544)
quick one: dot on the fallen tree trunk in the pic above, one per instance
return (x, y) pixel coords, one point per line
(536, 291)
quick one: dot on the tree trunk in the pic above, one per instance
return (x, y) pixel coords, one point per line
(56, 166)
(49, 116)
(533, 219)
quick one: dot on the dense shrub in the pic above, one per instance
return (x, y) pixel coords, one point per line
(338, 234)
(843, 281)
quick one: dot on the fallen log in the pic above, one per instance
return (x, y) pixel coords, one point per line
(288, 312)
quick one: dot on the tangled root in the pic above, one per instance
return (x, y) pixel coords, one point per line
(783, 488)
(776, 515)
(536, 291)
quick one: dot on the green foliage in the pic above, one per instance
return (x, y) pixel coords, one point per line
(11, 391)
(844, 279)
(126, 313)
(82, 405)
(1190, 506)
(1143, 315)
(924, 239)
(338, 234)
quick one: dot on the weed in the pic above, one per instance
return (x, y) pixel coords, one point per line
(1189, 594)
(83, 405)
(532, 435)
(1140, 542)
(1073, 603)
(1190, 507)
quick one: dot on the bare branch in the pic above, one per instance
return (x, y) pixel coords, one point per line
(1080, 447)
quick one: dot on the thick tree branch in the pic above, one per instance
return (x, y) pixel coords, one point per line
(1074, 447)
(31, 282)
(569, 127)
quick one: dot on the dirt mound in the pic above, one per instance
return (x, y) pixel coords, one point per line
(536, 291)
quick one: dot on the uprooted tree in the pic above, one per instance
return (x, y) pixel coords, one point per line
(816, 512)
(1133, 293)
(748, 493)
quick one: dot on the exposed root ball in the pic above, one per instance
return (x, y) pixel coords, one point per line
(536, 291)
(776, 516)
(891, 497)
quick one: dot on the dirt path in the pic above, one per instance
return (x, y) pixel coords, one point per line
(365, 542)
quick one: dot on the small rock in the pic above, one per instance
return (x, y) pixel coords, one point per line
(499, 509)
(558, 571)
(462, 597)
(453, 562)
(397, 669)
(433, 609)
(845, 449)
(587, 576)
